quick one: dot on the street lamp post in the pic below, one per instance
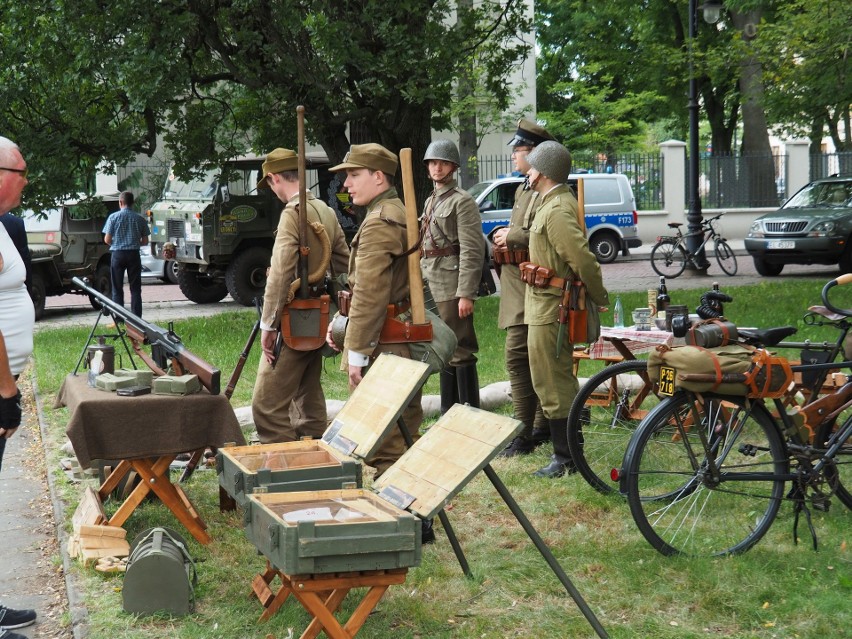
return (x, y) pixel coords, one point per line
(711, 10)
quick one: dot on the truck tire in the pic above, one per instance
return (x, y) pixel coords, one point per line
(102, 283)
(199, 288)
(246, 276)
(38, 295)
(170, 272)
(605, 246)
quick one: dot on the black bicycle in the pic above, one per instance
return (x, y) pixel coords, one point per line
(705, 474)
(670, 255)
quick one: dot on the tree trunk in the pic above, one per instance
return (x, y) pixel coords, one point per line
(760, 170)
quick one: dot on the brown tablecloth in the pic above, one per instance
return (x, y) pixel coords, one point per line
(104, 425)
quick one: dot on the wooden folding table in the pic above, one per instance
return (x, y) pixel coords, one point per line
(146, 433)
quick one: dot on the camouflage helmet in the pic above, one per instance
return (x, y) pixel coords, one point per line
(442, 150)
(552, 160)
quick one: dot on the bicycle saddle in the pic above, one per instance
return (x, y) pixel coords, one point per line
(766, 336)
(674, 225)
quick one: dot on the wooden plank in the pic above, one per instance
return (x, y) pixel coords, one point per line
(379, 399)
(445, 459)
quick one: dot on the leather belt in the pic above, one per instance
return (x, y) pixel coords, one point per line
(441, 252)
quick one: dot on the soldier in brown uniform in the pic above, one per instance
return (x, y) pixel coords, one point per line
(378, 276)
(288, 401)
(451, 258)
(511, 247)
(557, 242)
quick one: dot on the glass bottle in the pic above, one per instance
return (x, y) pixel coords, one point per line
(618, 313)
(663, 299)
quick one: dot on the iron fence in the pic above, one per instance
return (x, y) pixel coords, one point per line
(643, 170)
(741, 181)
(827, 164)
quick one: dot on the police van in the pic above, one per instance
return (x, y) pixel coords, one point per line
(611, 216)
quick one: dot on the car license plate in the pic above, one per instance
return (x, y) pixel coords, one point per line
(667, 381)
(780, 244)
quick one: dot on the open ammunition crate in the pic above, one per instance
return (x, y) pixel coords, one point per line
(334, 461)
(352, 530)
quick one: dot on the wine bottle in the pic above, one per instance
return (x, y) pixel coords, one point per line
(663, 299)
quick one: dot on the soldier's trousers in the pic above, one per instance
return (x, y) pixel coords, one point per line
(465, 353)
(393, 445)
(553, 379)
(288, 402)
(525, 402)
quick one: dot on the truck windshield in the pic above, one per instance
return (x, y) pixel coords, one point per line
(202, 187)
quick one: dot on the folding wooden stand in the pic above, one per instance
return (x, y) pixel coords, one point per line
(322, 595)
(154, 476)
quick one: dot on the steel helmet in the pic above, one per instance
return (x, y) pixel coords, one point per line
(551, 159)
(442, 150)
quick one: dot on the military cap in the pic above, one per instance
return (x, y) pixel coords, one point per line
(369, 156)
(529, 134)
(278, 161)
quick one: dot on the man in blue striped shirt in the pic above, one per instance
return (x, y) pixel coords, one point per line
(125, 231)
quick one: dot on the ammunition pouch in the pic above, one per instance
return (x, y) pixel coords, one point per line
(535, 275)
(505, 255)
(304, 323)
(344, 301)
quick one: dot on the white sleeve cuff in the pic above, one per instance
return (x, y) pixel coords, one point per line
(266, 327)
(357, 359)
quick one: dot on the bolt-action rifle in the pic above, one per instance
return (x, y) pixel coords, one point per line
(167, 350)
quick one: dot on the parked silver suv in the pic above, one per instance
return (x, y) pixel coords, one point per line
(611, 216)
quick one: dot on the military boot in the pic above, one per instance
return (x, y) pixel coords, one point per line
(541, 427)
(561, 462)
(468, 380)
(449, 388)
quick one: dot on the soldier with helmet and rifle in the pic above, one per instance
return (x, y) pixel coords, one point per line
(451, 259)
(511, 247)
(559, 255)
(288, 401)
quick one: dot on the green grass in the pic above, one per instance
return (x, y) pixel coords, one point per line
(778, 590)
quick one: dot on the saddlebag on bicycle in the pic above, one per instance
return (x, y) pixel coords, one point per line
(727, 370)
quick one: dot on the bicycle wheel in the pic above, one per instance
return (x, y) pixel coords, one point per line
(726, 258)
(668, 257)
(679, 501)
(604, 416)
(839, 470)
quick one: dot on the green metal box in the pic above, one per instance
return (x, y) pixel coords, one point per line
(110, 382)
(351, 530)
(142, 377)
(175, 385)
(333, 461)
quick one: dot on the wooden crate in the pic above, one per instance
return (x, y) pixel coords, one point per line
(334, 461)
(352, 530)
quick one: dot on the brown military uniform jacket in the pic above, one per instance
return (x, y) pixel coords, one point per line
(451, 220)
(557, 241)
(285, 254)
(378, 274)
(512, 289)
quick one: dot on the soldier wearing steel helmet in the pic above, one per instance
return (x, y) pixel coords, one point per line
(513, 242)
(557, 242)
(451, 258)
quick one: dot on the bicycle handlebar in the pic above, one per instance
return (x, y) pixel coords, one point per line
(839, 281)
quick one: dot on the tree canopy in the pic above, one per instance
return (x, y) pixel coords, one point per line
(87, 81)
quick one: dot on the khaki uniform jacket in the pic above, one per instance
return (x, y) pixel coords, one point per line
(512, 289)
(285, 254)
(558, 242)
(451, 218)
(378, 274)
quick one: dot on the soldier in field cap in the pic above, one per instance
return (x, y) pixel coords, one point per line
(378, 276)
(288, 402)
(513, 242)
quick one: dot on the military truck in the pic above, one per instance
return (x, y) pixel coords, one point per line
(222, 227)
(67, 242)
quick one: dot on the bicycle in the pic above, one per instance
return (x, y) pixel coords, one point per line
(705, 474)
(670, 255)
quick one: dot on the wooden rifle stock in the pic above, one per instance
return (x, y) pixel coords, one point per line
(826, 407)
(415, 277)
